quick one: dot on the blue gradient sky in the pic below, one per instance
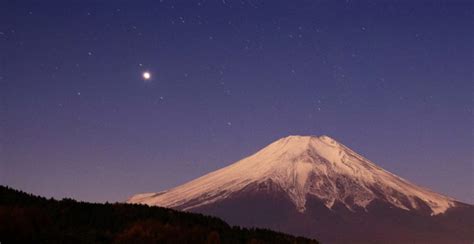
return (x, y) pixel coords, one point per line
(390, 79)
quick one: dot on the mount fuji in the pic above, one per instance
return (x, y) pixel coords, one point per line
(317, 187)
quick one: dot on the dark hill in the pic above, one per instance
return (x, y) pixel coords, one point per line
(25, 218)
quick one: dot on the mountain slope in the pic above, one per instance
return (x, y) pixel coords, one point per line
(307, 184)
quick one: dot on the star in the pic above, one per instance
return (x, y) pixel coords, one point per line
(146, 75)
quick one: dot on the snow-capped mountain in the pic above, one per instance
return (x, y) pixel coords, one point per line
(304, 174)
(302, 166)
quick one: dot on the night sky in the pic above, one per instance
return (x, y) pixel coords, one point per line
(393, 80)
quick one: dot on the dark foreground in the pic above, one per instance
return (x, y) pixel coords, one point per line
(25, 218)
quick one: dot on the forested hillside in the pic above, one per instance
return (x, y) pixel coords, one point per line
(27, 218)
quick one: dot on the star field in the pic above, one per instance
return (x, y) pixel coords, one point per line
(79, 117)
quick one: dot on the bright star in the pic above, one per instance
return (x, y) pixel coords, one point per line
(146, 75)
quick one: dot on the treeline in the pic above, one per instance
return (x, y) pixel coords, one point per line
(25, 218)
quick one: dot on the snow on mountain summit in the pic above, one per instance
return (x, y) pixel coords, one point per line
(304, 166)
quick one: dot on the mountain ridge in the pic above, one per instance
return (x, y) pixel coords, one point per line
(304, 165)
(317, 187)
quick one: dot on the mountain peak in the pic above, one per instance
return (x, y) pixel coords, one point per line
(295, 139)
(307, 138)
(304, 166)
(327, 139)
(295, 144)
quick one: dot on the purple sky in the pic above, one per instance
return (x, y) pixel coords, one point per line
(390, 79)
